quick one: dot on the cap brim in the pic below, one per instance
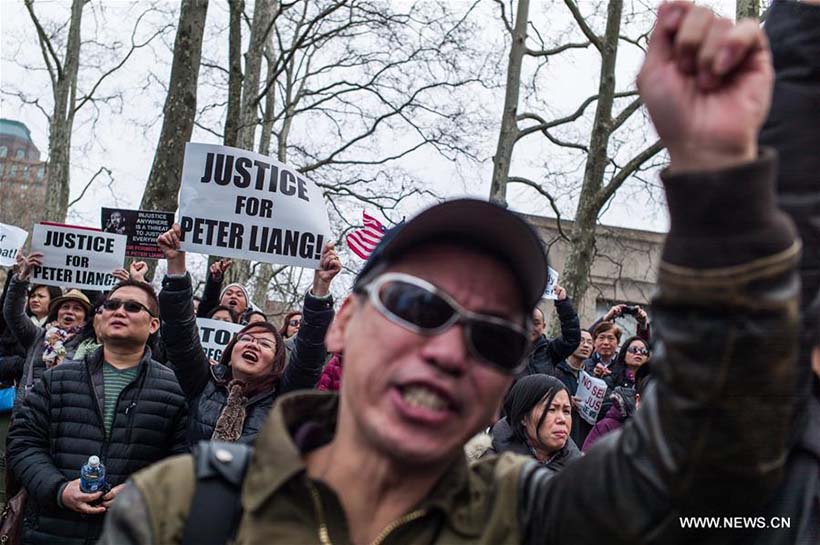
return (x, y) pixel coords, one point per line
(483, 224)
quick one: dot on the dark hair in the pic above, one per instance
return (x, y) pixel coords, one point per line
(88, 329)
(605, 326)
(252, 312)
(284, 329)
(232, 312)
(526, 394)
(642, 377)
(153, 302)
(621, 359)
(278, 355)
(53, 293)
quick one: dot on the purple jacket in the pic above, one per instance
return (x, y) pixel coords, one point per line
(622, 409)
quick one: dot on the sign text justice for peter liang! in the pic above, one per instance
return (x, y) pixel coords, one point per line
(236, 203)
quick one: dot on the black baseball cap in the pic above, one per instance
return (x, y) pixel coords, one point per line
(479, 224)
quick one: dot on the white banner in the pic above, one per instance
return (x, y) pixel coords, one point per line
(215, 336)
(11, 240)
(590, 394)
(77, 257)
(552, 281)
(236, 203)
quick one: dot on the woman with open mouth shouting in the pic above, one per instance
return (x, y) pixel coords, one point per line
(57, 340)
(231, 400)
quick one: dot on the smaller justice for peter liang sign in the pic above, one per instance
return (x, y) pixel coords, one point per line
(77, 257)
(236, 203)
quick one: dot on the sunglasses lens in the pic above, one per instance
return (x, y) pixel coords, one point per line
(132, 307)
(112, 304)
(415, 305)
(498, 344)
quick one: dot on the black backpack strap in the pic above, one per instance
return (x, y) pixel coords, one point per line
(216, 508)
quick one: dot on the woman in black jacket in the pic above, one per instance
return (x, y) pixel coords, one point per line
(537, 422)
(230, 401)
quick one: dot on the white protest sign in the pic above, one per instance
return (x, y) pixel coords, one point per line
(552, 281)
(214, 335)
(590, 394)
(77, 257)
(236, 203)
(11, 239)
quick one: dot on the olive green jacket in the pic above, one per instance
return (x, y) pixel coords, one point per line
(710, 438)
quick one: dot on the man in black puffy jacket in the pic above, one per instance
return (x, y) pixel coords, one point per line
(118, 404)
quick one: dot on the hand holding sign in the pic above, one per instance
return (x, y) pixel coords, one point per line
(120, 274)
(25, 264)
(560, 293)
(329, 267)
(168, 242)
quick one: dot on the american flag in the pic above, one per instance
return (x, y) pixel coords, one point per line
(362, 241)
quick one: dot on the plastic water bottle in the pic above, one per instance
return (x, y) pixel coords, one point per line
(92, 476)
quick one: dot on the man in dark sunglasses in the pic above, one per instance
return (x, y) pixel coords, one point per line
(437, 326)
(117, 403)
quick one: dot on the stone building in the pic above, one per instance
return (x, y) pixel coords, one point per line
(624, 269)
(22, 176)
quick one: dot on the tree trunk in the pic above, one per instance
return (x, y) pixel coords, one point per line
(161, 191)
(509, 124)
(262, 13)
(61, 124)
(575, 276)
(179, 111)
(747, 8)
(236, 8)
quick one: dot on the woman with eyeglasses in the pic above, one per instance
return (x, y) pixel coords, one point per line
(537, 423)
(231, 400)
(291, 324)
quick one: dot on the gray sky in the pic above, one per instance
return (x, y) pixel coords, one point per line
(124, 137)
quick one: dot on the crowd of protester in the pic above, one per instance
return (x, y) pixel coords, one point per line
(431, 405)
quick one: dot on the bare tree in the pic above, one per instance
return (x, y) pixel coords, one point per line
(61, 53)
(179, 111)
(606, 168)
(345, 80)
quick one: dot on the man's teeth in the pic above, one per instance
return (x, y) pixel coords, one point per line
(420, 396)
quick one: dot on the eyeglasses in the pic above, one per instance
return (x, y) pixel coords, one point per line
(130, 306)
(426, 310)
(264, 343)
(295, 323)
(638, 350)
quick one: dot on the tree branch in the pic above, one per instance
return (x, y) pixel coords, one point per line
(625, 114)
(544, 124)
(507, 23)
(45, 46)
(556, 50)
(543, 192)
(87, 185)
(626, 171)
(582, 24)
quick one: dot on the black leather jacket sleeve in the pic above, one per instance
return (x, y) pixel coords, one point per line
(711, 435)
(181, 335)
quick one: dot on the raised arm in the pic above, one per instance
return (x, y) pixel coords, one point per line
(179, 331)
(563, 346)
(213, 285)
(14, 306)
(309, 353)
(710, 437)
